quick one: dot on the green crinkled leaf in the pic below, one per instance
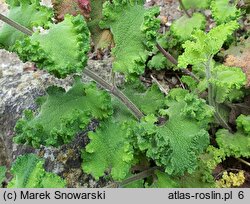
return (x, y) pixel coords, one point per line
(62, 115)
(184, 26)
(205, 46)
(243, 122)
(2, 174)
(228, 83)
(197, 109)
(60, 54)
(109, 149)
(126, 21)
(151, 26)
(35, 15)
(177, 144)
(28, 172)
(159, 62)
(199, 4)
(112, 145)
(237, 145)
(223, 11)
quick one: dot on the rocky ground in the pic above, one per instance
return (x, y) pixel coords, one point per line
(21, 83)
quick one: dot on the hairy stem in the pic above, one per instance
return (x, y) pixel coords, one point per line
(184, 9)
(136, 177)
(112, 89)
(15, 25)
(211, 93)
(116, 92)
(174, 61)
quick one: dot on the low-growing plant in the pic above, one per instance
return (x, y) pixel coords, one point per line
(136, 123)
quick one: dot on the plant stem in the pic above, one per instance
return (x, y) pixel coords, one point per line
(211, 93)
(136, 177)
(15, 25)
(184, 9)
(115, 91)
(174, 61)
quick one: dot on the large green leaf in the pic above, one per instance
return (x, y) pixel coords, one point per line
(61, 50)
(125, 19)
(62, 115)
(177, 144)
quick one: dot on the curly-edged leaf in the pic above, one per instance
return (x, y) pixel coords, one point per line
(237, 145)
(177, 144)
(205, 46)
(63, 115)
(184, 26)
(109, 149)
(150, 27)
(62, 50)
(28, 13)
(125, 19)
(196, 4)
(228, 83)
(158, 62)
(197, 109)
(224, 11)
(243, 122)
(28, 172)
(2, 174)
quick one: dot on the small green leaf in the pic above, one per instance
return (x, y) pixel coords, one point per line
(204, 46)
(224, 11)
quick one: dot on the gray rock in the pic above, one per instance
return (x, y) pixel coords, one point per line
(20, 85)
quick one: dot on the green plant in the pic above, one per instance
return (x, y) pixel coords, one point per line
(171, 134)
(35, 15)
(28, 172)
